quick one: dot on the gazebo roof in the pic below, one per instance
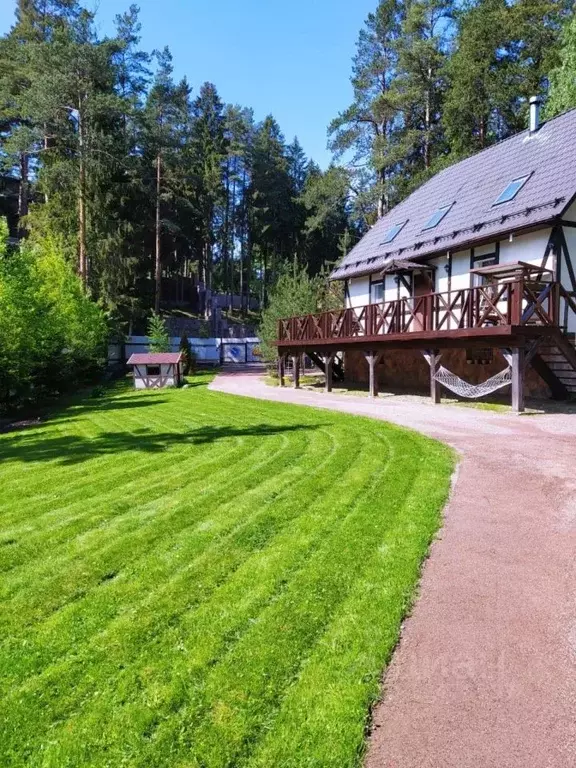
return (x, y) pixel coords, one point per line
(155, 358)
(398, 265)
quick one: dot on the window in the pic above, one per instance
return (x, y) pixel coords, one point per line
(437, 217)
(511, 190)
(152, 370)
(392, 232)
(377, 292)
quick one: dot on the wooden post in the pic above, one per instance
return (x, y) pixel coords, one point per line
(282, 369)
(373, 358)
(296, 371)
(434, 384)
(328, 360)
(518, 379)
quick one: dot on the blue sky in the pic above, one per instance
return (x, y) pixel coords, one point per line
(291, 59)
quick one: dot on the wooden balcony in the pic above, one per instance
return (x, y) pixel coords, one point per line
(496, 314)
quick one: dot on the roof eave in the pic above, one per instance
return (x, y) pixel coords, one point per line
(461, 246)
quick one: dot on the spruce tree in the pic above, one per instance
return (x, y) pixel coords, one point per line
(158, 338)
(208, 148)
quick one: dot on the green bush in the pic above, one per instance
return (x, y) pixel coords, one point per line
(52, 336)
(188, 356)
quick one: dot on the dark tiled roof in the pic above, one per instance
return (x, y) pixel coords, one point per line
(155, 358)
(473, 185)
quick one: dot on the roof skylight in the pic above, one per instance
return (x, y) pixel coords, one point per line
(392, 232)
(511, 190)
(437, 217)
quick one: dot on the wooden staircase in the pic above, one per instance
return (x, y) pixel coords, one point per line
(337, 367)
(555, 363)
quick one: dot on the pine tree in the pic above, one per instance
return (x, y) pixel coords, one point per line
(164, 120)
(563, 77)
(22, 139)
(271, 203)
(370, 128)
(535, 31)
(421, 84)
(208, 147)
(327, 229)
(478, 106)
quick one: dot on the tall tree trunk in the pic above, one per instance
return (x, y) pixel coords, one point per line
(157, 252)
(264, 293)
(243, 243)
(82, 251)
(23, 194)
(383, 195)
(231, 249)
(226, 243)
(427, 122)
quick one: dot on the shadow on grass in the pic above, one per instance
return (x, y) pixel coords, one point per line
(73, 449)
(101, 405)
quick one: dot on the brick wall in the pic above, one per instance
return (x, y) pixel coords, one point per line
(408, 371)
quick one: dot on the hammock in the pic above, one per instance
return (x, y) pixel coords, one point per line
(464, 389)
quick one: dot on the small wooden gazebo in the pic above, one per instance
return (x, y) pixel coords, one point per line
(154, 370)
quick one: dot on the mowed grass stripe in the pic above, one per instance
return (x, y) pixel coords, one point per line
(160, 573)
(100, 465)
(241, 699)
(190, 618)
(201, 625)
(152, 492)
(327, 709)
(114, 503)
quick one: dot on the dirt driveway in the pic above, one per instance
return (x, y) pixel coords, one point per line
(485, 673)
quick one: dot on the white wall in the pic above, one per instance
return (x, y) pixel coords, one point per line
(570, 235)
(570, 214)
(460, 270)
(440, 274)
(140, 374)
(358, 292)
(529, 248)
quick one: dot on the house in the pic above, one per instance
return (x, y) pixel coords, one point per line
(154, 370)
(469, 283)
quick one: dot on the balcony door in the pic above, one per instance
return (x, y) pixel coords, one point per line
(422, 285)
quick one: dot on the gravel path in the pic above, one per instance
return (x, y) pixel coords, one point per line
(485, 673)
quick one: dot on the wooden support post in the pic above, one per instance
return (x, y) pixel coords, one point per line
(373, 358)
(296, 371)
(518, 379)
(328, 360)
(434, 384)
(282, 369)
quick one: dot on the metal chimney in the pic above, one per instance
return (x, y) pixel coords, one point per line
(535, 104)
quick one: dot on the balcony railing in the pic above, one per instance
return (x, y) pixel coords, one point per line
(513, 303)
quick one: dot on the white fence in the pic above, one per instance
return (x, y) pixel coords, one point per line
(210, 351)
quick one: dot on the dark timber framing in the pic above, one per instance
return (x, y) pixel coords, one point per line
(518, 369)
(296, 370)
(433, 361)
(373, 358)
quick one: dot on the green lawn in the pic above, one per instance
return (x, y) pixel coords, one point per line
(194, 579)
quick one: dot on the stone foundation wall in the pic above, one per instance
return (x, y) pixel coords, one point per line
(408, 371)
